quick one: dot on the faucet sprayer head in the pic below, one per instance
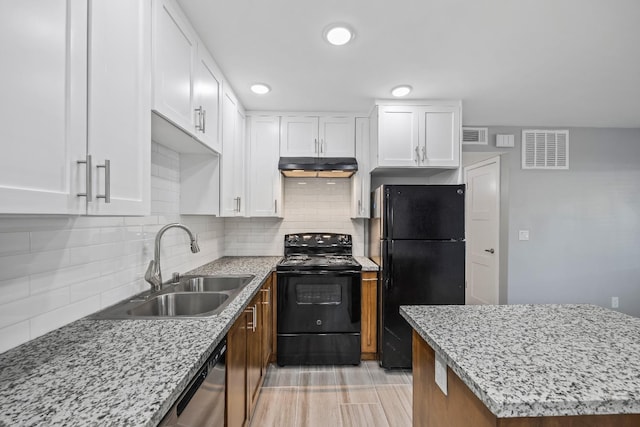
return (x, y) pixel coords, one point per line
(194, 246)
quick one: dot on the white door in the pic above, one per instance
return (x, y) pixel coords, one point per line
(43, 105)
(361, 181)
(482, 225)
(299, 136)
(398, 141)
(206, 90)
(265, 180)
(232, 164)
(336, 137)
(174, 52)
(119, 94)
(440, 137)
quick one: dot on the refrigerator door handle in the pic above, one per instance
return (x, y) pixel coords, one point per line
(388, 281)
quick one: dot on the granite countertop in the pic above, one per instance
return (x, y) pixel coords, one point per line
(538, 360)
(117, 372)
(366, 263)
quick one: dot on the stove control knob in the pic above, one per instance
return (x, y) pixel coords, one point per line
(293, 239)
(343, 239)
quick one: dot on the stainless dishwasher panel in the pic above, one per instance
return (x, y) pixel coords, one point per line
(203, 402)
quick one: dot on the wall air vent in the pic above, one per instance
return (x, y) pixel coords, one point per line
(475, 136)
(545, 149)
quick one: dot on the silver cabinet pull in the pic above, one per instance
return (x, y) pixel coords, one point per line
(199, 125)
(359, 206)
(107, 181)
(315, 141)
(275, 206)
(254, 317)
(424, 153)
(204, 121)
(239, 204)
(490, 250)
(87, 179)
(268, 292)
(322, 145)
(237, 208)
(417, 154)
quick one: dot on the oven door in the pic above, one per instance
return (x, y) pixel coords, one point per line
(318, 302)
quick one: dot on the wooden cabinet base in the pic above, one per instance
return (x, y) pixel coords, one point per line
(461, 408)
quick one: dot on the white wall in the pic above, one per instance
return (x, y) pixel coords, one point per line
(584, 222)
(56, 269)
(310, 204)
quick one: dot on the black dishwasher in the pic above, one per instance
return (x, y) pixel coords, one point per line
(203, 402)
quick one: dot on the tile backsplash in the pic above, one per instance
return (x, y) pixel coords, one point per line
(310, 204)
(57, 269)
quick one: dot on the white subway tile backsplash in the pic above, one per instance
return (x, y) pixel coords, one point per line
(14, 335)
(75, 265)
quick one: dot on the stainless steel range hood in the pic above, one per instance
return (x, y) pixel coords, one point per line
(314, 167)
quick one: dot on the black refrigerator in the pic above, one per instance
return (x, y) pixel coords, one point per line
(416, 237)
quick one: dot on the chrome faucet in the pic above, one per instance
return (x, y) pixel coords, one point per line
(153, 274)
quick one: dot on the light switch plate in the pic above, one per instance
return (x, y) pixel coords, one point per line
(523, 235)
(441, 373)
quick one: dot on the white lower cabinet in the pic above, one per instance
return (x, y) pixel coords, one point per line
(232, 161)
(265, 180)
(75, 107)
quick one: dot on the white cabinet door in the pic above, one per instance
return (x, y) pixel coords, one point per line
(361, 181)
(43, 106)
(207, 88)
(119, 94)
(440, 136)
(174, 50)
(265, 180)
(336, 137)
(398, 136)
(299, 136)
(232, 193)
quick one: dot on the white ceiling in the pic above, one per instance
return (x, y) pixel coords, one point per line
(512, 62)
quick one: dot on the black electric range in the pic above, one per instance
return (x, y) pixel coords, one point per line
(318, 301)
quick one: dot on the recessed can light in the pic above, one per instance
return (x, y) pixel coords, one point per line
(338, 34)
(399, 91)
(260, 88)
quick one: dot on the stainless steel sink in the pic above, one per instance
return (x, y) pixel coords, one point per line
(180, 304)
(212, 283)
(192, 296)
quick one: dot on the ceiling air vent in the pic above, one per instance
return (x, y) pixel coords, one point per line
(475, 136)
(545, 149)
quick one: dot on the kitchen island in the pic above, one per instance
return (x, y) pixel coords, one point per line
(525, 365)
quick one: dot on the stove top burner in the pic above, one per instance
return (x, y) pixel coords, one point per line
(318, 251)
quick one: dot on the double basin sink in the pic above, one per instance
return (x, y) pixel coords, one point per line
(189, 297)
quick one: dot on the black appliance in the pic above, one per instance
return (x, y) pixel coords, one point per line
(318, 167)
(417, 239)
(318, 301)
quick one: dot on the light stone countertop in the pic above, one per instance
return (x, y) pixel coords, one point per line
(366, 263)
(117, 372)
(538, 360)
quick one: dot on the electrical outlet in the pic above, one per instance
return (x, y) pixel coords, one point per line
(523, 235)
(614, 302)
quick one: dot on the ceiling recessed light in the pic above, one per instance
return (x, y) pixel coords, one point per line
(260, 88)
(403, 90)
(338, 34)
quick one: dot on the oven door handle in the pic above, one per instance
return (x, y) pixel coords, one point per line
(319, 273)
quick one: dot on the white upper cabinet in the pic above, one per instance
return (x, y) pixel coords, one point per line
(418, 135)
(174, 55)
(336, 137)
(43, 106)
(75, 107)
(186, 83)
(207, 89)
(232, 162)
(265, 180)
(361, 181)
(312, 136)
(119, 126)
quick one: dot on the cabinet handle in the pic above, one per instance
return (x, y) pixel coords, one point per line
(239, 204)
(359, 206)
(199, 119)
(204, 121)
(322, 145)
(268, 292)
(275, 206)
(87, 178)
(417, 154)
(424, 153)
(254, 317)
(315, 141)
(107, 181)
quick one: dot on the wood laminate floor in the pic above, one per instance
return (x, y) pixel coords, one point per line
(349, 396)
